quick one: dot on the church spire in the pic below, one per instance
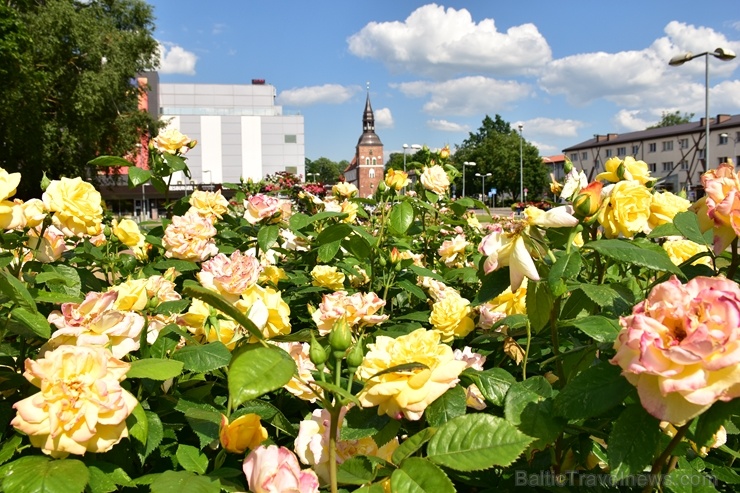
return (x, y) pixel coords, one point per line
(368, 136)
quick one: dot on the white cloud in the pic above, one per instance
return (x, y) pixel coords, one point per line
(633, 120)
(447, 126)
(218, 29)
(467, 95)
(383, 118)
(555, 127)
(438, 42)
(174, 59)
(545, 149)
(326, 94)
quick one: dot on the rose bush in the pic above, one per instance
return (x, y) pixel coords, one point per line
(394, 343)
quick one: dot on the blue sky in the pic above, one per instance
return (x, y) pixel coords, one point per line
(566, 70)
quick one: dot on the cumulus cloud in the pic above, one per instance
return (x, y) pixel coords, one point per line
(325, 94)
(447, 126)
(383, 118)
(437, 42)
(633, 120)
(555, 127)
(467, 95)
(174, 59)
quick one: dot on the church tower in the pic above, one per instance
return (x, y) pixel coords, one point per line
(367, 168)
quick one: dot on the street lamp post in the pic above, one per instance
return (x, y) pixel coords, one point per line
(313, 174)
(466, 163)
(521, 162)
(406, 146)
(723, 54)
(483, 183)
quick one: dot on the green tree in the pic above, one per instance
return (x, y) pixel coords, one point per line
(66, 84)
(675, 118)
(495, 149)
(328, 171)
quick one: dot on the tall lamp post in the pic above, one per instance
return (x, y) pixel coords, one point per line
(313, 174)
(521, 162)
(483, 182)
(723, 54)
(466, 163)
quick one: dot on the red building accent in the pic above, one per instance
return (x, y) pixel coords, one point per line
(367, 168)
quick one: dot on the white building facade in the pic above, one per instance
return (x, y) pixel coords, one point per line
(241, 133)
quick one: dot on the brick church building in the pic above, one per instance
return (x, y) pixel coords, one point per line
(367, 168)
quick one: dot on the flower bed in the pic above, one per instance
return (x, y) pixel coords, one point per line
(383, 344)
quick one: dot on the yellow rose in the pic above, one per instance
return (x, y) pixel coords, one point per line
(8, 184)
(435, 179)
(76, 205)
(396, 179)
(680, 251)
(209, 204)
(132, 295)
(327, 276)
(34, 211)
(664, 207)
(407, 392)
(49, 248)
(277, 311)
(11, 215)
(344, 189)
(272, 274)
(171, 141)
(626, 210)
(451, 317)
(510, 303)
(127, 231)
(190, 237)
(629, 169)
(81, 406)
(245, 432)
(349, 208)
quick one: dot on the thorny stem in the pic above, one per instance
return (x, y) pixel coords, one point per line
(661, 460)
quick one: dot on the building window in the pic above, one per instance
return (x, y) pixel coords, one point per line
(371, 174)
(722, 159)
(652, 147)
(652, 167)
(375, 161)
(367, 160)
(291, 139)
(608, 153)
(667, 145)
(723, 138)
(667, 166)
(621, 151)
(292, 169)
(584, 156)
(635, 150)
(701, 153)
(683, 143)
(684, 165)
(574, 156)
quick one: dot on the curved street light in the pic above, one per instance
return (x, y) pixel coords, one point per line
(466, 163)
(483, 183)
(723, 54)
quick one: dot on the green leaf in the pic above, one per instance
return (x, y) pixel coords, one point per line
(415, 290)
(176, 163)
(493, 285)
(269, 414)
(708, 423)
(138, 176)
(138, 427)
(178, 265)
(335, 232)
(110, 161)
(417, 475)
(493, 383)
(257, 370)
(592, 392)
(565, 268)
(355, 470)
(412, 444)
(38, 474)
(628, 252)
(172, 307)
(328, 251)
(360, 422)
(449, 405)
(194, 290)
(687, 480)
(298, 221)
(184, 482)
(156, 369)
(203, 358)
(687, 223)
(358, 246)
(16, 291)
(106, 477)
(267, 236)
(539, 304)
(401, 217)
(33, 320)
(205, 424)
(476, 441)
(424, 272)
(191, 459)
(600, 329)
(154, 433)
(633, 441)
(529, 407)
(663, 230)
(9, 448)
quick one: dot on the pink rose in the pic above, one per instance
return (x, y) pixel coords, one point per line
(190, 237)
(721, 205)
(230, 276)
(260, 207)
(274, 469)
(358, 310)
(681, 347)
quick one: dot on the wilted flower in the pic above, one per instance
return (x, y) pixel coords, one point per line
(681, 347)
(245, 432)
(81, 406)
(407, 392)
(435, 179)
(190, 237)
(272, 469)
(575, 181)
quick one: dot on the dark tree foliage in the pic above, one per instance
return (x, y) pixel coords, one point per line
(675, 118)
(67, 84)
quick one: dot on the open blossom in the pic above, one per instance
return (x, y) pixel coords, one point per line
(617, 169)
(245, 432)
(680, 250)
(436, 289)
(190, 237)
(344, 189)
(451, 317)
(275, 317)
(664, 206)
(81, 406)
(171, 141)
(719, 209)
(681, 347)
(407, 392)
(504, 248)
(358, 310)
(301, 384)
(230, 276)
(128, 233)
(327, 276)
(266, 208)
(96, 323)
(10, 216)
(396, 179)
(626, 209)
(209, 204)
(48, 248)
(312, 444)
(505, 304)
(453, 251)
(76, 205)
(273, 469)
(435, 179)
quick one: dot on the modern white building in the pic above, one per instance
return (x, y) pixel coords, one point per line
(241, 133)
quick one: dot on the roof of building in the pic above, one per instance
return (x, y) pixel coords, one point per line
(368, 137)
(725, 121)
(558, 158)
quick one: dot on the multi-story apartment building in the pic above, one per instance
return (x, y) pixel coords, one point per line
(675, 154)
